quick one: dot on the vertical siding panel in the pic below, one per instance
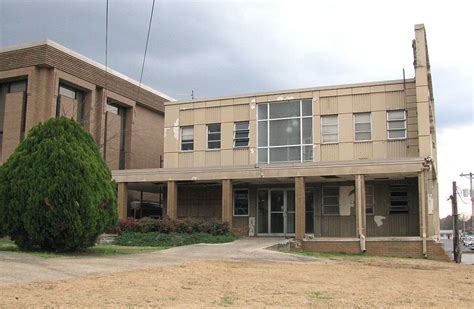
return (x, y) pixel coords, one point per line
(363, 150)
(397, 149)
(328, 105)
(241, 156)
(329, 152)
(361, 102)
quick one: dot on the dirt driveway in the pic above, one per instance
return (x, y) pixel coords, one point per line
(23, 268)
(241, 274)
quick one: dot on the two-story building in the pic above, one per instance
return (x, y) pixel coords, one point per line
(346, 168)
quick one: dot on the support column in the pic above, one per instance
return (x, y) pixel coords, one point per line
(300, 207)
(422, 208)
(172, 200)
(227, 201)
(122, 200)
(360, 210)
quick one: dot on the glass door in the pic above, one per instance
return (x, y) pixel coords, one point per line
(276, 212)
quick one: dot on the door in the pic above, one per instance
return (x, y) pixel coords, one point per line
(276, 212)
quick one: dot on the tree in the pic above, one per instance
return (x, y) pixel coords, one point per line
(56, 192)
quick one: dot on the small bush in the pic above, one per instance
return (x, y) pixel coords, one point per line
(167, 226)
(154, 239)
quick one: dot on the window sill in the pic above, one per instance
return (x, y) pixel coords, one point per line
(211, 150)
(240, 215)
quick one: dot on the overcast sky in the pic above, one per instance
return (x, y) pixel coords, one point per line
(229, 47)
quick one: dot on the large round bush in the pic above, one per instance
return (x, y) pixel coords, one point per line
(56, 192)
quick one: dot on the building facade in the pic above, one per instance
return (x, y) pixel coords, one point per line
(42, 80)
(351, 166)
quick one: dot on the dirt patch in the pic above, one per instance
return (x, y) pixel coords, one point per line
(373, 283)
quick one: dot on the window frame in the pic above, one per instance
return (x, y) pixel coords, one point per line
(397, 120)
(241, 138)
(391, 207)
(233, 203)
(268, 120)
(187, 142)
(207, 137)
(323, 207)
(322, 127)
(354, 127)
(373, 200)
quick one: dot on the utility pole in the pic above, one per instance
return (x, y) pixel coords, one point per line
(456, 244)
(471, 194)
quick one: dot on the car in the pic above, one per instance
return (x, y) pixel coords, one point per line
(471, 246)
(467, 241)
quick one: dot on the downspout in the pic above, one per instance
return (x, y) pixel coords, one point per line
(422, 189)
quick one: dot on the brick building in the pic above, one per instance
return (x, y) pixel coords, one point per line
(341, 168)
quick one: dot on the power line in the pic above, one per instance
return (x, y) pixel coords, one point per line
(146, 48)
(106, 39)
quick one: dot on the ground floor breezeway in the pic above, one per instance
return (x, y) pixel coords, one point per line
(357, 202)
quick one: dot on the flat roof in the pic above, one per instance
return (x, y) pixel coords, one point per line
(287, 91)
(85, 59)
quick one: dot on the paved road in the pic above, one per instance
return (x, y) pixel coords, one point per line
(467, 254)
(22, 268)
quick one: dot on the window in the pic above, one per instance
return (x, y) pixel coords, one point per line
(241, 202)
(241, 134)
(331, 200)
(77, 96)
(214, 136)
(285, 131)
(329, 130)
(121, 111)
(19, 86)
(187, 138)
(369, 200)
(396, 124)
(362, 127)
(398, 198)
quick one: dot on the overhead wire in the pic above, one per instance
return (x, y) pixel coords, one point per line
(146, 48)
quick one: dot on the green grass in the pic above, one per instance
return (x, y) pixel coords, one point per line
(97, 250)
(170, 240)
(330, 256)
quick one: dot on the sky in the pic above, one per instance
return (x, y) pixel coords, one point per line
(217, 48)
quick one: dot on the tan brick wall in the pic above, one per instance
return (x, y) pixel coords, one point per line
(112, 152)
(200, 201)
(379, 248)
(12, 123)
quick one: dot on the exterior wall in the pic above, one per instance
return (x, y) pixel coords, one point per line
(376, 98)
(44, 67)
(394, 248)
(204, 201)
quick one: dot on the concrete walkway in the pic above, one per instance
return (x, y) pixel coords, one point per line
(23, 268)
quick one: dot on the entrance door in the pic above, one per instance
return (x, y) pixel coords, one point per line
(276, 212)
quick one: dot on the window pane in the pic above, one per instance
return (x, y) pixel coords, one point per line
(241, 134)
(307, 130)
(262, 155)
(187, 146)
(17, 86)
(112, 109)
(330, 200)
(396, 125)
(309, 204)
(329, 120)
(362, 127)
(262, 111)
(214, 145)
(363, 136)
(241, 205)
(330, 129)
(307, 153)
(262, 133)
(214, 137)
(365, 117)
(285, 154)
(331, 191)
(331, 210)
(214, 128)
(396, 115)
(396, 134)
(241, 143)
(330, 138)
(285, 132)
(286, 109)
(67, 92)
(241, 126)
(307, 107)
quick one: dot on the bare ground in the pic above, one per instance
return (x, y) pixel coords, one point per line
(340, 282)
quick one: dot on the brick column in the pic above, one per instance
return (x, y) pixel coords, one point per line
(172, 200)
(122, 200)
(227, 201)
(360, 205)
(300, 207)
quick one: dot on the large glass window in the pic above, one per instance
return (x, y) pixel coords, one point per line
(74, 94)
(214, 136)
(362, 127)
(285, 131)
(241, 134)
(241, 202)
(121, 111)
(187, 138)
(331, 200)
(397, 124)
(329, 129)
